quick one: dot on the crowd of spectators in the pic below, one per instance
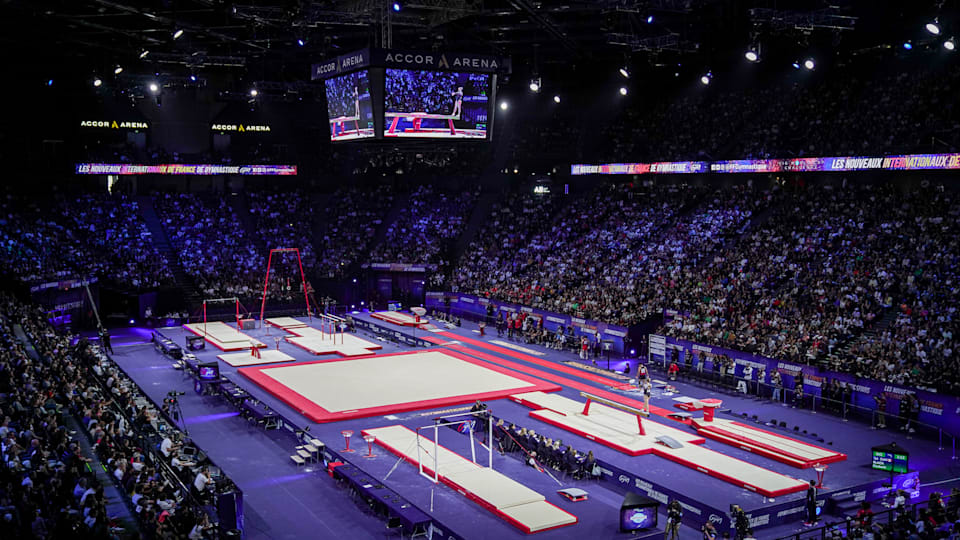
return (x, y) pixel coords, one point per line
(420, 91)
(212, 244)
(50, 487)
(426, 227)
(804, 285)
(597, 258)
(352, 218)
(90, 235)
(510, 226)
(112, 226)
(285, 220)
(47, 490)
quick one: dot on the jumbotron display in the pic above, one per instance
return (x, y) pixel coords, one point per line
(436, 104)
(349, 107)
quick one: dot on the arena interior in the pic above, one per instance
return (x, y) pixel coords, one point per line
(480, 269)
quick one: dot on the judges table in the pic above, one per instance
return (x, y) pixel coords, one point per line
(261, 413)
(384, 499)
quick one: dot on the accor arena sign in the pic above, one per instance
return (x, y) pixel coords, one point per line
(113, 124)
(240, 128)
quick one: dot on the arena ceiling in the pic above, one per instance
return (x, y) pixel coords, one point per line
(278, 39)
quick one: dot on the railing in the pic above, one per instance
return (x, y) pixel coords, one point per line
(884, 518)
(818, 404)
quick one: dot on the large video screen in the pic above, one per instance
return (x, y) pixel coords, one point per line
(436, 104)
(349, 107)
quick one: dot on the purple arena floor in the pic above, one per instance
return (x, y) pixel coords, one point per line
(282, 501)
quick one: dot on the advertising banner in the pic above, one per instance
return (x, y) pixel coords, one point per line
(478, 306)
(813, 164)
(935, 409)
(177, 168)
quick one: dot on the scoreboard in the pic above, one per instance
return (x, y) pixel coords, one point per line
(890, 458)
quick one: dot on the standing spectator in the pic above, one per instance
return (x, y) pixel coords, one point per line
(906, 412)
(880, 399)
(777, 381)
(811, 500)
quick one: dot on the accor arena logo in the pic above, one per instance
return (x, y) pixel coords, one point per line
(240, 128)
(113, 124)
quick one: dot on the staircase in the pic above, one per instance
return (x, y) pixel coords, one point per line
(400, 202)
(871, 332)
(118, 505)
(478, 218)
(241, 207)
(321, 218)
(183, 282)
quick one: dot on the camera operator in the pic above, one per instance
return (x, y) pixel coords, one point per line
(741, 523)
(674, 516)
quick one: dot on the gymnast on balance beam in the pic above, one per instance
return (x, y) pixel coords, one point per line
(457, 103)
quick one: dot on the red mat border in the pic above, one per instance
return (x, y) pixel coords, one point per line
(370, 352)
(469, 494)
(318, 414)
(214, 343)
(380, 317)
(766, 450)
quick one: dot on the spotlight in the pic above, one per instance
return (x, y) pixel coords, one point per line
(907, 45)
(144, 54)
(949, 44)
(133, 321)
(625, 73)
(154, 87)
(796, 65)
(253, 92)
(49, 82)
(752, 55)
(705, 80)
(809, 64)
(97, 82)
(193, 78)
(556, 99)
(118, 70)
(177, 34)
(300, 42)
(396, 6)
(535, 85)
(623, 90)
(504, 105)
(933, 27)
(649, 19)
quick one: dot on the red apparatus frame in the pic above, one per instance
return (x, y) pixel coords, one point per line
(266, 280)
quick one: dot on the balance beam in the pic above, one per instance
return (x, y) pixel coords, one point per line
(610, 403)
